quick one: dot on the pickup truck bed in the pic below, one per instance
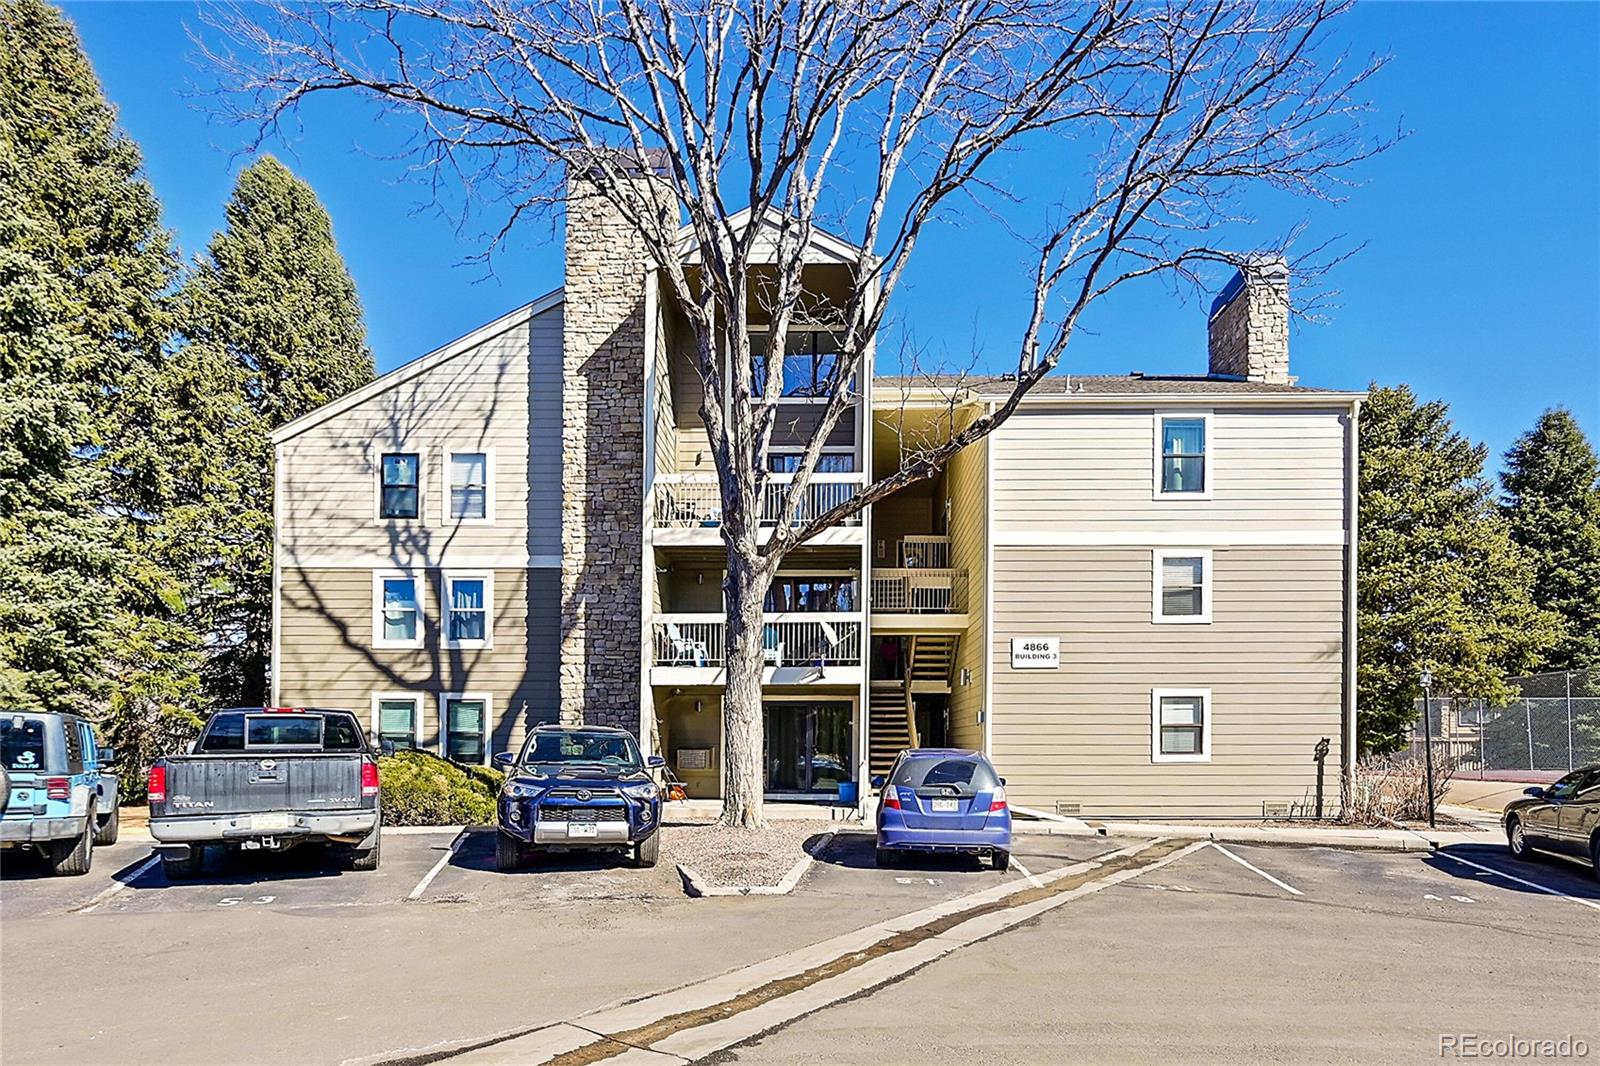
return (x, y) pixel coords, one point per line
(268, 779)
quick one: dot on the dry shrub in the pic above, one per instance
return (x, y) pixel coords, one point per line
(1396, 790)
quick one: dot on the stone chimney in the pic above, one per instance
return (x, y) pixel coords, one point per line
(1249, 325)
(602, 457)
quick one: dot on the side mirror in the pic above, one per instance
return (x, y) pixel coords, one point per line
(108, 754)
(1536, 791)
(879, 781)
(505, 760)
(654, 762)
(1002, 782)
(386, 747)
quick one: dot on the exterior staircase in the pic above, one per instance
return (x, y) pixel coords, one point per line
(931, 661)
(893, 726)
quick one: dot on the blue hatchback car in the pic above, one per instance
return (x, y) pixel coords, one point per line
(943, 800)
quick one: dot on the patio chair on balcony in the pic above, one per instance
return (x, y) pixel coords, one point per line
(771, 647)
(686, 649)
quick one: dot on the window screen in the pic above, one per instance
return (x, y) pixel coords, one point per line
(1182, 586)
(464, 722)
(399, 609)
(468, 613)
(401, 473)
(469, 485)
(1183, 455)
(1182, 725)
(397, 722)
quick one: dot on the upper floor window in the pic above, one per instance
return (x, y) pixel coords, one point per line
(1182, 586)
(400, 488)
(827, 463)
(798, 592)
(397, 611)
(466, 600)
(468, 494)
(1181, 454)
(810, 359)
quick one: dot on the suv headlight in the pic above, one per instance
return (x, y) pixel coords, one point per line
(646, 791)
(517, 790)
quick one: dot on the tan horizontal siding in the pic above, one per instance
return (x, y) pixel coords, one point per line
(967, 483)
(1086, 472)
(1272, 658)
(326, 655)
(503, 395)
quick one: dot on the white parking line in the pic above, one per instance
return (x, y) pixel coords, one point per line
(1032, 880)
(1521, 881)
(1257, 870)
(106, 893)
(427, 878)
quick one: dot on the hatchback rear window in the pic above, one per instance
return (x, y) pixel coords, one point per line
(282, 731)
(22, 744)
(966, 774)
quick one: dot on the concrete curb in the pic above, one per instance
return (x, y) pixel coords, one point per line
(1372, 839)
(697, 887)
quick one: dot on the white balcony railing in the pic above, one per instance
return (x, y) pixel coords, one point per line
(924, 550)
(919, 590)
(793, 639)
(690, 500)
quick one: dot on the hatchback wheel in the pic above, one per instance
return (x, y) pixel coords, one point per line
(1000, 860)
(885, 857)
(1517, 840)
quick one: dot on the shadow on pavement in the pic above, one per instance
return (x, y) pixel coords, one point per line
(1556, 874)
(477, 853)
(221, 866)
(858, 851)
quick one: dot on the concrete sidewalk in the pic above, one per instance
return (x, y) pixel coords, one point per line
(1376, 839)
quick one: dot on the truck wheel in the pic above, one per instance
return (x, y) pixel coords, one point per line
(106, 829)
(648, 850)
(184, 869)
(73, 857)
(366, 858)
(508, 853)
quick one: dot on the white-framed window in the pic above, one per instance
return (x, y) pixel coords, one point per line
(468, 492)
(1183, 468)
(396, 609)
(1180, 725)
(397, 717)
(399, 484)
(467, 602)
(464, 726)
(1180, 586)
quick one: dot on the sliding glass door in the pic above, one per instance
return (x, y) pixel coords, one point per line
(807, 745)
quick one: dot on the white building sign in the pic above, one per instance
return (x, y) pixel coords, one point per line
(1035, 653)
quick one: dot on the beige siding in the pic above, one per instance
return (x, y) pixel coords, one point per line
(666, 427)
(503, 395)
(693, 451)
(1272, 658)
(1088, 472)
(327, 657)
(967, 479)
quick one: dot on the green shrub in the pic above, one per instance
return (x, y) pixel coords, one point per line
(422, 789)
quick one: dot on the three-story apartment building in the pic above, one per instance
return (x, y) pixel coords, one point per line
(1136, 595)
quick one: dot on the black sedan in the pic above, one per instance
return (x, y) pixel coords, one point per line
(1562, 819)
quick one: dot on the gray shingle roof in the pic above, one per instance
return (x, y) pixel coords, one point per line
(1100, 385)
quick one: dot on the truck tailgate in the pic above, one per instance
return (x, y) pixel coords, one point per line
(245, 784)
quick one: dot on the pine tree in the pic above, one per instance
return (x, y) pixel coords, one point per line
(1552, 501)
(84, 268)
(1441, 583)
(274, 330)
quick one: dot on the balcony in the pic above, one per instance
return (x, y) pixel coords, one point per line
(798, 648)
(924, 593)
(688, 507)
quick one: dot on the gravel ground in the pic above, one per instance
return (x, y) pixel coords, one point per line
(742, 857)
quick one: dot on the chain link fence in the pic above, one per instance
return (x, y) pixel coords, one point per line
(1552, 726)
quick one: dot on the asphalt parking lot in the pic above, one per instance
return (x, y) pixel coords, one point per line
(1237, 954)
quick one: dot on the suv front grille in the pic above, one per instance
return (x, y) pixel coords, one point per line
(582, 814)
(566, 793)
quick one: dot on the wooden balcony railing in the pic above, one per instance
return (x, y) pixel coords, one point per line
(792, 639)
(690, 500)
(919, 590)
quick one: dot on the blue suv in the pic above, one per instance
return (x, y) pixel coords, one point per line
(585, 788)
(58, 793)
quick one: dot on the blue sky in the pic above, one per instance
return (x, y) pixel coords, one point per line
(1479, 282)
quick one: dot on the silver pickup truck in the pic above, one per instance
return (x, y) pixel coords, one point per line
(272, 778)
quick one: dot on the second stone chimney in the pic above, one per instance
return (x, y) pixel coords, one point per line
(1249, 325)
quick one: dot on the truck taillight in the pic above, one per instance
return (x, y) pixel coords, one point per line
(891, 798)
(157, 784)
(57, 788)
(369, 779)
(998, 801)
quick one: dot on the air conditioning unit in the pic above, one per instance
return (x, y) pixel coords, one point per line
(1068, 810)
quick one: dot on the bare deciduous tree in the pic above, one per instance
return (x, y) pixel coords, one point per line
(874, 120)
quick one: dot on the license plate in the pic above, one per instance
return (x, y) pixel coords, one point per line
(268, 823)
(945, 806)
(580, 829)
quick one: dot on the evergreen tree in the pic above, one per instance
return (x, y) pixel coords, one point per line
(274, 330)
(1441, 583)
(84, 266)
(1552, 501)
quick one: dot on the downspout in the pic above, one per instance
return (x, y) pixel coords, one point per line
(275, 663)
(1352, 551)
